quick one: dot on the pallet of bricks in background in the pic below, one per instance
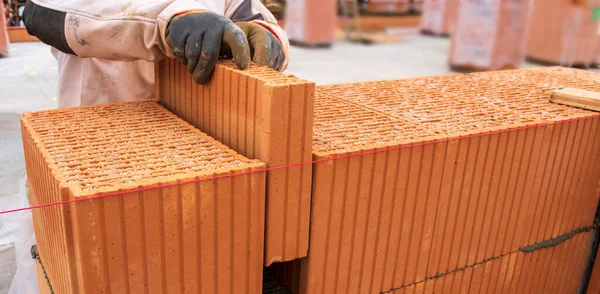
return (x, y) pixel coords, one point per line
(489, 35)
(152, 206)
(262, 114)
(570, 39)
(455, 182)
(416, 6)
(439, 17)
(311, 23)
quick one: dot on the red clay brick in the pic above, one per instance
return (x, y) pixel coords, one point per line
(164, 239)
(382, 220)
(262, 114)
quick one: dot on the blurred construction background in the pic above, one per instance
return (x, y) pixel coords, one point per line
(333, 42)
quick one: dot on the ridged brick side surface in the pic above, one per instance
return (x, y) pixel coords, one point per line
(550, 270)
(386, 219)
(204, 236)
(261, 114)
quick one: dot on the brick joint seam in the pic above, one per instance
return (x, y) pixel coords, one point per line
(540, 245)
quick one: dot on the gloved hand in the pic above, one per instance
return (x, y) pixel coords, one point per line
(198, 38)
(265, 48)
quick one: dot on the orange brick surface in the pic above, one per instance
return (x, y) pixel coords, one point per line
(204, 236)
(489, 35)
(571, 38)
(550, 270)
(443, 192)
(261, 114)
(439, 16)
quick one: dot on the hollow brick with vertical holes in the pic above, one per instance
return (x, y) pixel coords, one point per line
(262, 114)
(481, 165)
(204, 236)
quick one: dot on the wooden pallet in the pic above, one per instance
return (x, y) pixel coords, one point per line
(19, 34)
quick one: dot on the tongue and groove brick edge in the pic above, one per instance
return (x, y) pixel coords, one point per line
(261, 114)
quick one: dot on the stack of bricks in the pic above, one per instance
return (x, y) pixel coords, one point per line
(3, 32)
(154, 205)
(454, 182)
(489, 35)
(463, 182)
(262, 114)
(570, 38)
(439, 17)
(416, 6)
(311, 23)
(389, 6)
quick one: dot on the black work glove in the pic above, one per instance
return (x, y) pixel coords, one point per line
(265, 48)
(197, 39)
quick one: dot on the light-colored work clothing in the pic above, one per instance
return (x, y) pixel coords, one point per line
(116, 42)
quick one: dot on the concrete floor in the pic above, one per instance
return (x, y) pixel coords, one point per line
(28, 79)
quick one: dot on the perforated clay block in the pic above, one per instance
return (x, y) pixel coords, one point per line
(449, 171)
(180, 221)
(262, 114)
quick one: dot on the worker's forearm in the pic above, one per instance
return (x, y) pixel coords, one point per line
(113, 30)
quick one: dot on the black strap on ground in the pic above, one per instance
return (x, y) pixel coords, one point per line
(35, 255)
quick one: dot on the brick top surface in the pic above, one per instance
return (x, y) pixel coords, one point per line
(265, 74)
(411, 110)
(342, 125)
(106, 148)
